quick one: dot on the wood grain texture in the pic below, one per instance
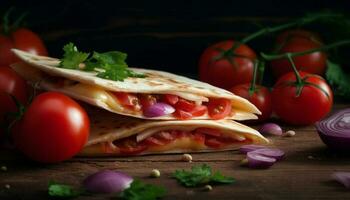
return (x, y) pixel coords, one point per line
(305, 173)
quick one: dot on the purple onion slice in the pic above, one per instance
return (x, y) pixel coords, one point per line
(335, 130)
(271, 152)
(158, 109)
(258, 161)
(343, 178)
(271, 128)
(107, 181)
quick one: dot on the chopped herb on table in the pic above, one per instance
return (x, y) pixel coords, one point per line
(109, 65)
(142, 191)
(63, 190)
(137, 191)
(200, 175)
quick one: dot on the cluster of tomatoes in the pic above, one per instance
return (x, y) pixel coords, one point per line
(299, 102)
(53, 127)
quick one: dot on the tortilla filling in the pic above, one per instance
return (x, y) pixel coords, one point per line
(172, 140)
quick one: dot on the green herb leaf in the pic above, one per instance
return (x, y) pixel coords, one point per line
(109, 65)
(200, 175)
(62, 190)
(338, 79)
(141, 191)
(72, 57)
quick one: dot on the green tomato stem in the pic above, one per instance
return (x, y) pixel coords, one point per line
(301, 21)
(252, 84)
(6, 21)
(285, 55)
(297, 75)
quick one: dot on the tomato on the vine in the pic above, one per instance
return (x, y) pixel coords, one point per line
(298, 33)
(301, 104)
(54, 128)
(225, 69)
(260, 97)
(11, 84)
(23, 39)
(314, 63)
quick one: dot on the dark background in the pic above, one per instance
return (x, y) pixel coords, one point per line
(166, 35)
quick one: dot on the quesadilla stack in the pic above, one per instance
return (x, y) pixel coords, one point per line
(189, 115)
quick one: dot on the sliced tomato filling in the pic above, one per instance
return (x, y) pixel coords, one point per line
(217, 108)
(162, 141)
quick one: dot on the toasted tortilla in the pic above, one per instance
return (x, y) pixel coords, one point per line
(87, 87)
(108, 128)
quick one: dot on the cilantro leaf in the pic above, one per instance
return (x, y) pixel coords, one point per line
(62, 190)
(338, 79)
(200, 175)
(72, 57)
(141, 191)
(109, 65)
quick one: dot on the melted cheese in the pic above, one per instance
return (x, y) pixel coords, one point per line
(178, 144)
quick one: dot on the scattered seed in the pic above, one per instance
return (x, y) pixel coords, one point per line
(3, 168)
(244, 162)
(208, 187)
(81, 66)
(289, 133)
(187, 157)
(155, 173)
(7, 186)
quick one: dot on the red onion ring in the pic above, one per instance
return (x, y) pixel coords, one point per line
(256, 160)
(335, 130)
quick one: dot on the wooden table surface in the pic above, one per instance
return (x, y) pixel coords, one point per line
(305, 173)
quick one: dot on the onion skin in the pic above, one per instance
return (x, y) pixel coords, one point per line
(107, 181)
(334, 131)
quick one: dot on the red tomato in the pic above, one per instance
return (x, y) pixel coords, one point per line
(229, 70)
(23, 39)
(312, 104)
(219, 108)
(314, 63)
(152, 141)
(213, 142)
(170, 99)
(165, 136)
(198, 137)
(199, 111)
(287, 35)
(187, 109)
(129, 146)
(261, 98)
(53, 129)
(183, 115)
(147, 100)
(128, 100)
(185, 105)
(209, 131)
(11, 84)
